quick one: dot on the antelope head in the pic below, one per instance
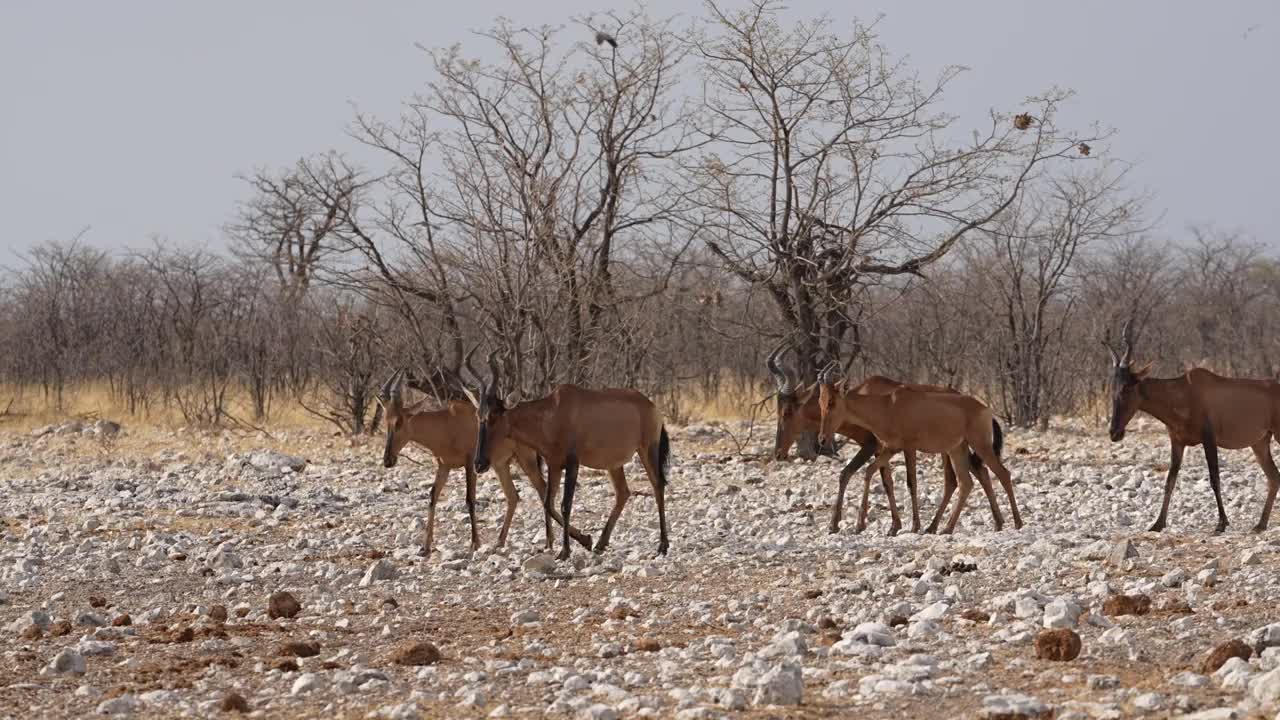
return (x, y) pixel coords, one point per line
(491, 412)
(791, 400)
(1126, 383)
(391, 397)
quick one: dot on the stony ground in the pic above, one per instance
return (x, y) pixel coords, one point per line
(136, 571)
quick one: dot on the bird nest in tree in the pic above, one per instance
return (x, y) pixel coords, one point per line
(1022, 121)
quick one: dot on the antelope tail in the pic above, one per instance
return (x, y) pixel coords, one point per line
(997, 444)
(664, 456)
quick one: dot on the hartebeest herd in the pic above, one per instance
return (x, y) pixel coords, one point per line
(604, 429)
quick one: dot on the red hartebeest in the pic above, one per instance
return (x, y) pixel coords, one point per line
(799, 411)
(450, 435)
(1199, 408)
(929, 420)
(575, 426)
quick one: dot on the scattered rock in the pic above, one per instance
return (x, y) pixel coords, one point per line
(1014, 707)
(306, 682)
(380, 570)
(1118, 605)
(271, 460)
(780, 685)
(975, 615)
(302, 649)
(282, 605)
(1224, 652)
(121, 620)
(218, 613)
(66, 662)
(233, 702)
(416, 653)
(1122, 551)
(541, 564)
(1060, 645)
(648, 645)
(122, 705)
(59, 628)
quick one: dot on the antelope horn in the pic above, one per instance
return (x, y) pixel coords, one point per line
(469, 376)
(471, 396)
(1106, 342)
(1127, 334)
(493, 374)
(780, 376)
(827, 375)
(397, 390)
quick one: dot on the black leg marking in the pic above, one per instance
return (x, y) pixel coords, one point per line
(1211, 459)
(566, 501)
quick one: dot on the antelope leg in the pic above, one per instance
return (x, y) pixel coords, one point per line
(540, 486)
(620, 494)
(566, 501)
(864, 454)
(1176, 451)
(948, 487)
(471, 506)
(1211, 459)
(428, 533)
(503, 471)
(1263, 452)
(911, 488)
(960, 461)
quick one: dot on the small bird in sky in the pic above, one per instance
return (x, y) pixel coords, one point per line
(603, 37)
(1253, 27)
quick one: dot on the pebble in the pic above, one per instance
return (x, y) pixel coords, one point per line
(66, 662)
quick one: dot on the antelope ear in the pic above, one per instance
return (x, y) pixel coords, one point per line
(1143, 371)
(471, 397)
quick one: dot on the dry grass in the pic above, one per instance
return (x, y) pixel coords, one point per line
(30, 409)
(735, 400)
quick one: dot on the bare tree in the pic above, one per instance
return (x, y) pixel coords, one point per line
(1028, 262)
(292, 218)
(833, 168)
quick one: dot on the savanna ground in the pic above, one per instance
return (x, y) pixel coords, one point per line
(173, 528)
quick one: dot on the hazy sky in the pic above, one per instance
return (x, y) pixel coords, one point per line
(133, 117)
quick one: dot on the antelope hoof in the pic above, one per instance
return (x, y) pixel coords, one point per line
(947, 531)
(564, 553)
(1017, 523)
(1222, 527)
(833, 528)
(893, 530)
(662, 548)
(584, 540)
(424, 551)
(1156, 526)
(600, 546)
(1260, 527)
(932, 529)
